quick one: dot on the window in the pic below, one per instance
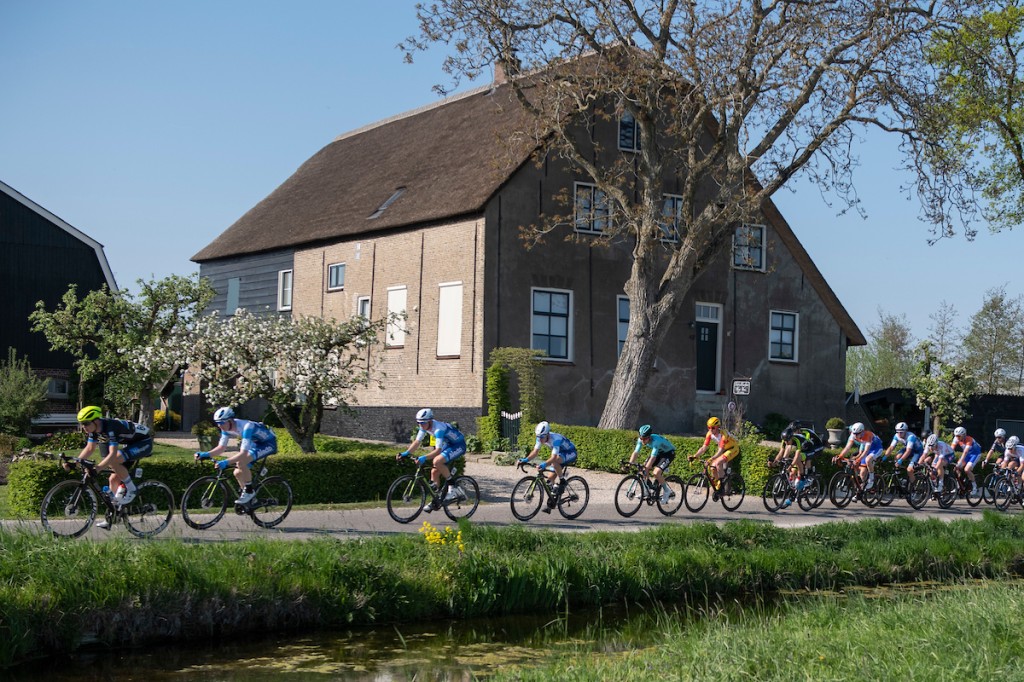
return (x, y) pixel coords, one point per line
(748, 248)
(783, 336)
(234, 285)
(57, 388)
(449, 320)
(623, 322)
(284, 290)
(395, 336)
(671, 211)
(629, 133)
(335, 276)
(551, 328)
(591, 208)
(363, 307)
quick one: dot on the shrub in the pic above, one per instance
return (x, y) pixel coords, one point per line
(8, 444)
(65, 441)
(206, 433)
(835, 423)
(773, 424)
(22, 394)
(160, 420)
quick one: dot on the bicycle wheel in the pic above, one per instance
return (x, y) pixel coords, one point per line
(888, 488)
(950, 491)
(151, 510)
(988, 488)
(774, 493)
(813, 493)
(1004, 494)
(204, 502)
(406, 498)
(272, 502)
(733, 490)
(527, 496)
(974, 494)
(698, 489)
(467, 501)
(840, 490)
(919, 492)
(629, 495)
(574, 497)
(68, 509)
(675, 500)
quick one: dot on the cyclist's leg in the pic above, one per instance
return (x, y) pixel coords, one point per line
(447, 456)
(115, 462)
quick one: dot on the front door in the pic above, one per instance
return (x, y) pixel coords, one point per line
(706, 327)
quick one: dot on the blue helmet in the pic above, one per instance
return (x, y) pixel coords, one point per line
(646, 430)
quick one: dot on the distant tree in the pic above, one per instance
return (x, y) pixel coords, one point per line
(22, 394)
(886, 361)
(944, 334)
(101, 329)
(733, 99)
(298, 365)
(944, 388)
(991, 347)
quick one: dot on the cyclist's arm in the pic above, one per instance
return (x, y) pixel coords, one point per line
(636, 452)
(87, 450)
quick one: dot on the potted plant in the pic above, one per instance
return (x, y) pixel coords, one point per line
(206, 433)
(835, 427)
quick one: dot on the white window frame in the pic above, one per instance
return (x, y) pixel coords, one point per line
(57, 387)
(363, 307)
(627, 120)
(449, 319)
(671, 231)
(760, 267)
(330, 268)
(620, 330)
(285, 294)
(396, 332)
(715, 313)
(569, 325)
(591, 222)
(795, 341)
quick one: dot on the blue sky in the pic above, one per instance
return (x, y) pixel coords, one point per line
(153, 126)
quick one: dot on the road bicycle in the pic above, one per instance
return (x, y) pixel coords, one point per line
(1008, 489)
(950, 489)
(408, 495)
(730, 491)
(780, 488)
(570, 495)
(973, 494)
(895, 484)
(637, 487)
(846, 485)
(70, 507)
(207, 498)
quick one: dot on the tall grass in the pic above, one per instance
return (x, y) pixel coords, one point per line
(56, 594)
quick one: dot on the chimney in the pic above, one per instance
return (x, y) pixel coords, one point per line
(500, 76)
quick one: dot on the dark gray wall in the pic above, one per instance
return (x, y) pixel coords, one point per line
(396, 424)
(258, 279)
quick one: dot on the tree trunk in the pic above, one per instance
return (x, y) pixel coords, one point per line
(306, 426)
(146, 408)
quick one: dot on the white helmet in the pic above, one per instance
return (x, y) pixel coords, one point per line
(1000, 433)
(424, 415)
(857, 428)
(542, 429)
(932, 440)
(959, 432)
(223, 414)
(902, 426)
(1012, 441)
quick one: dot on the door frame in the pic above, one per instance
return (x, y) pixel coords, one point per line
(717, 320)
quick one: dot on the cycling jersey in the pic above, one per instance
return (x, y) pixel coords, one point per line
(658, 445)
(910, 445)
(1016, 452)
(256, 438)
(132, 440)
(448, 438)
(868, 444)
(807, 442)
(942, 450)
(729, 446)
(967, 444)
(560, 445)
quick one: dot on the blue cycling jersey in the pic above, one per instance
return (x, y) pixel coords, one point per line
(444, 434)
(658, 444)
(911, 445)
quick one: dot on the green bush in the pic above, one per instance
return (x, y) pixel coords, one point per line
(66, 441)
(8, 444)
(206, 433)
(835, 423)
(160, 420)
(773, 424)
(22, 394)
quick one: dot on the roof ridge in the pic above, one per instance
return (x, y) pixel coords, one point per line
(418, 110)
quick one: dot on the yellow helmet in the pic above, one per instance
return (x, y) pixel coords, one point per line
(713, 422)
(88, 413)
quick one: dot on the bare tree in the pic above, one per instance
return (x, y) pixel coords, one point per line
(944, 334)
(731, 99)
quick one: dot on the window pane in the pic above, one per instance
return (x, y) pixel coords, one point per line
(559, 326)
(557, 348)
(541, 302)
(560, 304)
(541, 325)
(234, 285)
(336, 276)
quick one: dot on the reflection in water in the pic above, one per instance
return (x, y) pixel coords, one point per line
(449, 651)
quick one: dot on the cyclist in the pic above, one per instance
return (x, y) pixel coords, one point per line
(938, 454)
(868, 447)
(971, 452)
(124, 441)
(662, 455)
(728, 449)
(999, 446)
(908, 445)
(801, 444)
(1014, 454)
(563, 452)
(450, 444)
(255, 441)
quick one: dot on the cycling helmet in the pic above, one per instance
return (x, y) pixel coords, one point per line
(542, 429)
(88, 413)
(1000, 433)
(713, 422)
(959, 432)
(424, 415)
(857, 428)
(645, 431)
(932, 440)
(223, 414)
(902, 426)
(787, 433)
(1012, 441)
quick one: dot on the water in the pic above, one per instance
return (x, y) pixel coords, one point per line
(447, 651)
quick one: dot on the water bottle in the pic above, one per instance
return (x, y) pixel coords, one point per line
(138, 472)
(106, 490)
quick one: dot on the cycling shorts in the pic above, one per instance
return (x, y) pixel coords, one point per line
(807, 454)
(731, 453)
(453, 452)
(260, 450)
(913, 460)
(970, 458)
(663, 460)
(566, 456)
(136, 450)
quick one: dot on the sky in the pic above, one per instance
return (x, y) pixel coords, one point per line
(153, 126)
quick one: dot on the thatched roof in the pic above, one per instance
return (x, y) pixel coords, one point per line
(450, 157)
